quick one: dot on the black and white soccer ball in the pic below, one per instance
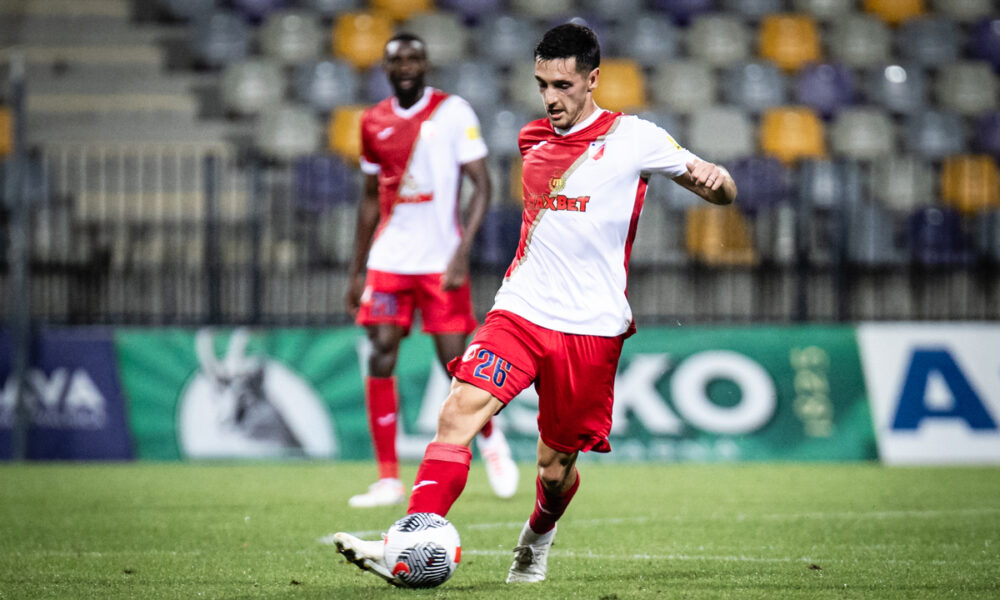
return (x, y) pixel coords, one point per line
(422, 550)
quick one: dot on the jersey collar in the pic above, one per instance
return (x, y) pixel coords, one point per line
(421, 104)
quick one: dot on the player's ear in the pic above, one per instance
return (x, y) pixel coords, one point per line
(592, 79)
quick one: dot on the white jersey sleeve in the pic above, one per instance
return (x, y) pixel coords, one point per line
(657, 151)
(469, 143)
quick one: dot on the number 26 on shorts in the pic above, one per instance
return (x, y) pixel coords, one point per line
(500, 368)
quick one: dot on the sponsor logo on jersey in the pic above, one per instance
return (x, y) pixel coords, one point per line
(385, 132)
(473, 133)
(556, 202)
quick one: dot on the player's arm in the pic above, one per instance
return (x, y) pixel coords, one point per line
(458, 266)
(368, 217)
(710, 181)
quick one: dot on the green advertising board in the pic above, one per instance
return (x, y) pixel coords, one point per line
(683, 394)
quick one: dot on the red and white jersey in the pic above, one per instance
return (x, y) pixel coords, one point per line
(583, 191)
(417, 153)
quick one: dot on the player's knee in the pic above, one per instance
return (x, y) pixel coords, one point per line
(553, 476)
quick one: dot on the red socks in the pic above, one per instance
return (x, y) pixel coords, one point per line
(549, 506)
(440, 478)
(380, 392)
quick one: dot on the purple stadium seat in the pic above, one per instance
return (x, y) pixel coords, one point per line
(471, 10)
(376, 85)
(936, 237)
(256, 10)
(825, 87)
(763, 182)
(683, 10)
(498, 236)
(988, 133)
(985, 42)
(323, 180)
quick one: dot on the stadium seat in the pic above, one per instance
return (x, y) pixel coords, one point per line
(904, 182)
(967, 87)
(825, 88)
(220, 38)
(328, 9)
(987, 232)
(863, 133)
(859, 40)
(522, 89)
(359, 38)
(790, 133)
(615, 9)
(187, 10)
(753, 9)
(6, 132)
(754, 86)
(899, 88)
(985, 41)
(649, 39)
(936, 237)
(682, 11)
(718, 40)
(684, 86)
(326, 84)
(721, 134)
(718, 236)
(622, 86)
(257, 10)
(251, 86)
(344, 132)
(666, 121)
(401, 10)
(870, 236)
(472, 11)
(291, 36)
(659, 234)
(930, 41)
(498, 237)
(988, 134)
(827, 184)
(478, 82)
(895, 12)
(375, 85)
(501, 128)
(763, 183)
(934, 134)
(970, 183)
(287, 132)
(322, 181)
(824, 10)
(444, 34)
(965, 10)
(542, 9)
(789, 40)
(507, 39)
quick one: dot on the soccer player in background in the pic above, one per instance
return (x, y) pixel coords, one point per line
(561, 315)
(416, 146)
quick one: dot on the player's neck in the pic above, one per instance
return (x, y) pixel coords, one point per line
(406, 101)
(587, 116)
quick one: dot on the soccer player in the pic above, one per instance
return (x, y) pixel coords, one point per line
(416, 146)
(561, 315)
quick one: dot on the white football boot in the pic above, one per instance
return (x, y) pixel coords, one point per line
(384, 492)
(367, 555)
(531, 556)
(501, 470)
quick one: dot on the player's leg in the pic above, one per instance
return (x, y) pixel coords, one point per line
(555, 487)
(501, 470)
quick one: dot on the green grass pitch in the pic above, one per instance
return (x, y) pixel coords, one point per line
(260, 530)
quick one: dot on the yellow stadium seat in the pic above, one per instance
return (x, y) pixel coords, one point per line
(792, 132)
(621, 85)
(719, 236)
(895, 12)
(345, 132)
(788, 40)
(514, 184)
(971, 183)
(400, 10)
(359, 38)
(6, 132)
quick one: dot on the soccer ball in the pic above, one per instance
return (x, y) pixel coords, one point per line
(422, 550)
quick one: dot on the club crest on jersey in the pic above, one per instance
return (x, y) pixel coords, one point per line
(557, 183)
(470, 352)
(595, 151)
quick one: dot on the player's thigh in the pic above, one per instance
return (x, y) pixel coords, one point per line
(388, 299)
(444, 311)
(576, 386)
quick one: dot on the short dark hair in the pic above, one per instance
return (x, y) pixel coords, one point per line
(571, 41)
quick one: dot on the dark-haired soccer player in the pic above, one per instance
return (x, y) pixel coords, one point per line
(561, 315)
(416, 146)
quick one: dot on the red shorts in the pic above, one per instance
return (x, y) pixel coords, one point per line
(573, 374)
(391, 298)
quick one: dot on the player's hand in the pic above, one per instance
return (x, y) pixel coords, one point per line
(352, 300)
(706, 175)
(456, 273)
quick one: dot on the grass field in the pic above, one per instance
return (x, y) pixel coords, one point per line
(634, 531)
